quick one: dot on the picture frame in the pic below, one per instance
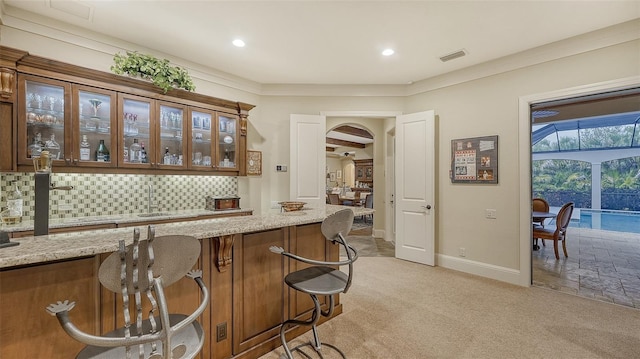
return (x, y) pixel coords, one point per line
(332, 176)
(339, 174)
(474, 160)
(254, 163)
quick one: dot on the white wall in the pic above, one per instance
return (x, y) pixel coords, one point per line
(465, 108)
(276, 110)
(489, 106)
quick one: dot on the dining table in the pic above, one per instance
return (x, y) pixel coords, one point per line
(350, 201)
(537, 216)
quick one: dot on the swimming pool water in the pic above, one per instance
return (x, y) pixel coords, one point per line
(618, 221)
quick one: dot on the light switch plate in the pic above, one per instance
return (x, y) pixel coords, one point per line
(490, 214)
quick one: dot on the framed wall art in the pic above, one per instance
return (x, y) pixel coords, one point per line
(254, 163)
(474, 160)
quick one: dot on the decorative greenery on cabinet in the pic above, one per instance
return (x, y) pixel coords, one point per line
(148, 67)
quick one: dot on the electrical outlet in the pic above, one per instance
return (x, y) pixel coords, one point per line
(462, 252)
(490, 214)
(221, 332)
(281, 168)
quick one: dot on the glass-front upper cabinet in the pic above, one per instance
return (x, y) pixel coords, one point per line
(202, 130)
(94, 130)
(227, 143)
(136, 131)
(43, 119)
(172, 145)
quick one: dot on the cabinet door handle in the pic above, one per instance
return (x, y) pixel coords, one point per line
(67, 160)
(75, 161)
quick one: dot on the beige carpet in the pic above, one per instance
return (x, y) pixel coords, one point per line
(398, 309)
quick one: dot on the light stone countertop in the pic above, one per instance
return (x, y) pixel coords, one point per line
(120, 219)
(34, 250)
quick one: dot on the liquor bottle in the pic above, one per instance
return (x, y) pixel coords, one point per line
(143, 154)
(134, 152)
(102, 153)
(126, 154)
(14, 204)
(53, 147)
(85, 149)
(226, 158)
(167, 159)
(35, 148)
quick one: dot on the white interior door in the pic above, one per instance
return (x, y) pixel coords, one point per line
(415, 178)
(390, 182)
(307, 159)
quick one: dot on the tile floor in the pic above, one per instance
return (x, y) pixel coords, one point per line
(361, 239)
(603, 265)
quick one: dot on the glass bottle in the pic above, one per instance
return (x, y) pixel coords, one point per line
(226, 158)
(168, 159)
(85, 149)
(143, 154)
(35, 148)
(14, 204)
(102, 153)
(53, 147)
(125, 152)
(135, 152)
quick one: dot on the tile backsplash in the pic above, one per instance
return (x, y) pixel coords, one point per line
(114, 194)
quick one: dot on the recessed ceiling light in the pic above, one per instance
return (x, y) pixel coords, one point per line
(388, 52)
(238, 43)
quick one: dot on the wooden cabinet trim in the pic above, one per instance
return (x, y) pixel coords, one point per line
(45, 70)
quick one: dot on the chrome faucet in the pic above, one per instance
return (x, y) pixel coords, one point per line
(151, 202)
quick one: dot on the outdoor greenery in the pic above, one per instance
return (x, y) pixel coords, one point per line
(561, 181)
(148, 67)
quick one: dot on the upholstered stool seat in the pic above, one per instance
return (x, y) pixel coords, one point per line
(317, 280)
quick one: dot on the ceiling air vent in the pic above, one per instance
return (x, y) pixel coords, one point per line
(453, 55)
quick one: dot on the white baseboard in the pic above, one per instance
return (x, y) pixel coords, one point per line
(502, 274)
(379, 233)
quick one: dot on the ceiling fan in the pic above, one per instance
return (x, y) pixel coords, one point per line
(342, 154)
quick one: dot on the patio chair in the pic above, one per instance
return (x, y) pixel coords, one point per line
(560, 232)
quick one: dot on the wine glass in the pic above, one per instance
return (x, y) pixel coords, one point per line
(95, 105)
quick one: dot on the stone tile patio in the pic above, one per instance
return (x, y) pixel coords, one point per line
(603, 265)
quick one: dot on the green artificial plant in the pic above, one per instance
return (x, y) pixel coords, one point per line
(148, 67)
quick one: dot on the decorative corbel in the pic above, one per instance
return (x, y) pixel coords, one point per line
(224, 244)
(7, 82)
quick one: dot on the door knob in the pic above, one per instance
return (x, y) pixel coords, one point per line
(426, 207)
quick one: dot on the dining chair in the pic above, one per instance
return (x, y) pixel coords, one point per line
(368, 203)
(140, 272)
(539, 205)
(560, 232)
